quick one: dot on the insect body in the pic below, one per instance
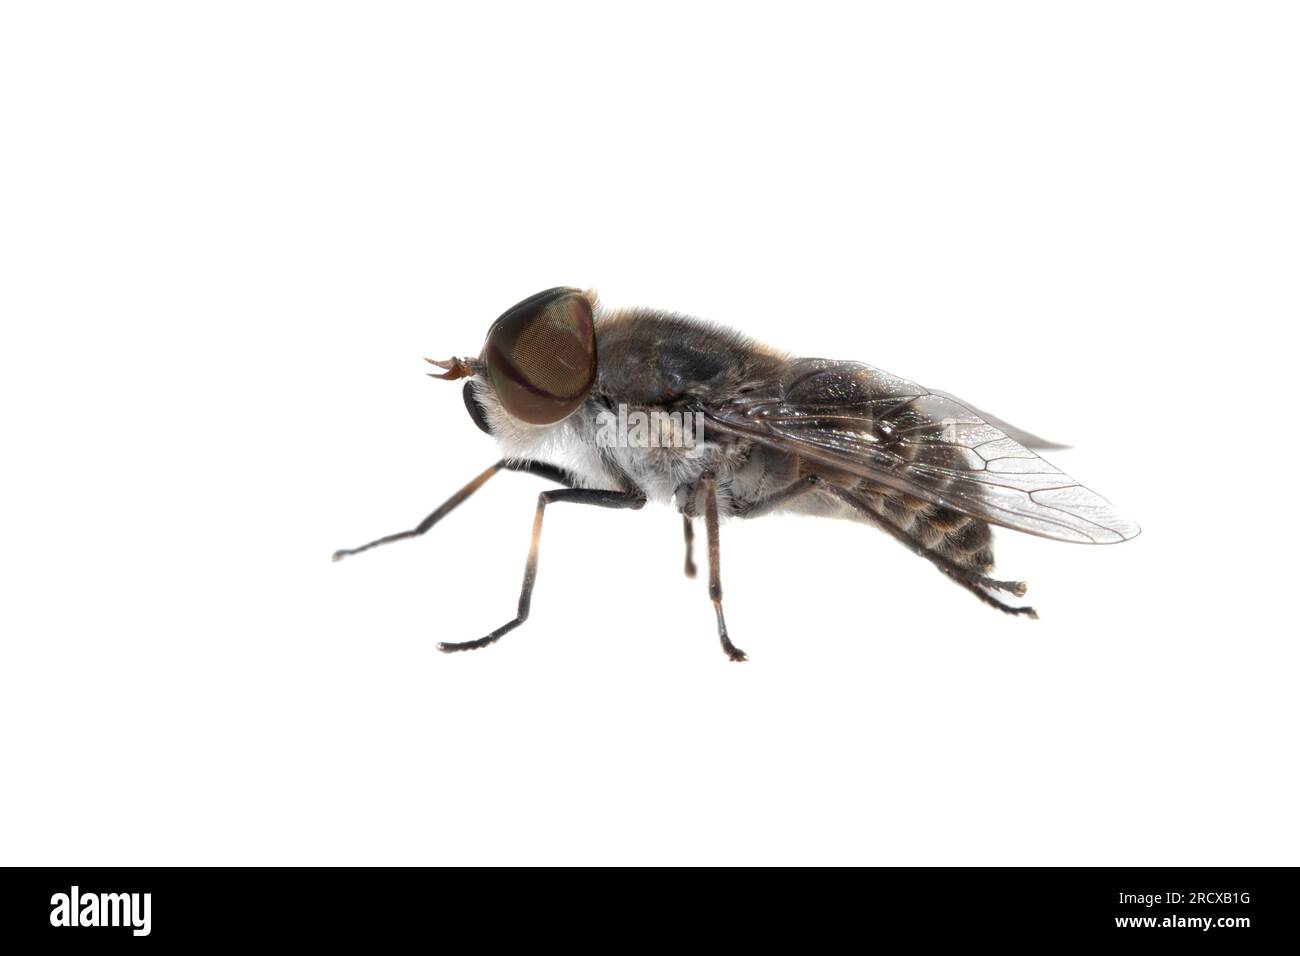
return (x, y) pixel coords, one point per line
(628, 406)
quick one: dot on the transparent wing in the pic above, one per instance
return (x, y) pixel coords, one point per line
(855, 418)
(1026, 438)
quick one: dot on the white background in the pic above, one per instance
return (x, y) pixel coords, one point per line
(231, 231)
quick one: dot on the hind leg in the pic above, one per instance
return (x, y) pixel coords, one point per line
(975, 586)
(974, 582)
(1018, 588)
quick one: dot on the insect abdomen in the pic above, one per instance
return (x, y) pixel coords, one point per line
(960, 538)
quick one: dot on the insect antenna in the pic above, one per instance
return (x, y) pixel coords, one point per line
(456, 367)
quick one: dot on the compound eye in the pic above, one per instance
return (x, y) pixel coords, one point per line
(541, 356)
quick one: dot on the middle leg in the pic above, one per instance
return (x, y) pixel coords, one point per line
(688, 530)
(710, 486)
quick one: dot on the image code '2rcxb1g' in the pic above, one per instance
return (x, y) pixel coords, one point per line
(626, 406)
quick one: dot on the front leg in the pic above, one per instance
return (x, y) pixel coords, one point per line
(541, 469)
(580, 496)
(710, 487)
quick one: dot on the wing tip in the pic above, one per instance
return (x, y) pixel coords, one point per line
(1123, 529)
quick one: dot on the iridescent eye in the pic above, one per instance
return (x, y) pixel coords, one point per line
(541, 356)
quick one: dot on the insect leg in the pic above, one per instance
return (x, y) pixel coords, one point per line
(531, 467)
(970, 580)
(688, 529)
(972, 584)
(796, 488)
(579, 496)
(715, 575)
(966, 577)
(1018, 588)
